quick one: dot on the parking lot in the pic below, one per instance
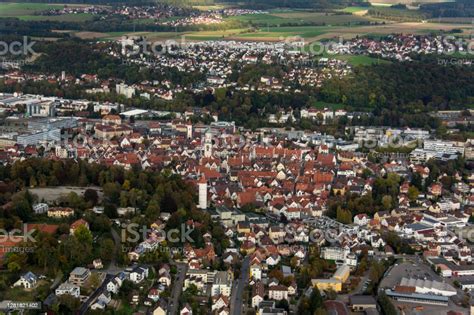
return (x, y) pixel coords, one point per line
(52, 194)
(407, 269)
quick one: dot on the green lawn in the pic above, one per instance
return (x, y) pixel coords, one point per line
(214, 35)
(30, 12)
(287, 31)
(277, 18)
(19, 9)
(13, 9)
(360, 60)
(355, 9)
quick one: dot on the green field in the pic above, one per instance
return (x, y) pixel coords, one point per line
(277, 18)
(30, 11)
(322, 105)
(12, 9)
(355, 9)
(359, 60)
(214, 35)
(20, 9)
(280, 33)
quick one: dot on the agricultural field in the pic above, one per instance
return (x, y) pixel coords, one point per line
(463, 20)
(276, 18)
(354, 10)
(405, 28)
(282, 33)
(151, 36)
(214, 35)
(30, 11)
(393, 2)
(209, 7)
(310, 34)
(359, 60)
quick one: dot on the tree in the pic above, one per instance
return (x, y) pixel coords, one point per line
(94, 280)
(91, 196)
(106, 249)
(387, 307)
(413, 193)
(83, 235)
(387, 202)
(70, 302)
(343, 216)
(112, 192)
(320, 311)
(315, 300)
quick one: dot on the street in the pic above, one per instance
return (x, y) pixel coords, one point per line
(238, 289)
(177, 288)
(85, 306)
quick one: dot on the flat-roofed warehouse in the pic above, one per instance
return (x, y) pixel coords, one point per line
(361, 303)
(428, 286)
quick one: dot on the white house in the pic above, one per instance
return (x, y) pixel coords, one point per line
(361, 219)
(278, 292)
(112, 286)
(68, 288)
(139, 274)
(165, 279)
(27, 281)
(186, 310)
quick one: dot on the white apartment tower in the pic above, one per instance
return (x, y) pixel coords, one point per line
(189, 131)
(202, 185)
(208, 144)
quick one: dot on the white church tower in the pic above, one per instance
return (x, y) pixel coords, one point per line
(202, 185)
(189, 130)
(208, 144)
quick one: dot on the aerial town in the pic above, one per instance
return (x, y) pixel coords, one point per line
(276, 196)
(279, 157)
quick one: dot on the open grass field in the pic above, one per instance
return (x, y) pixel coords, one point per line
(393, 2)
(463, 20)
(354, 9)
(322, 105)
(359, 60)
(214, 35)
(405, 28)
(30, 11)
(210, 7)
(282, 33)
(276, 18)
(13, 9)
(8, 9)
(315, 17)
(310, 34)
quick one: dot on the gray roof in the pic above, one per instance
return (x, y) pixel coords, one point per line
(432, 297)
(362, 299)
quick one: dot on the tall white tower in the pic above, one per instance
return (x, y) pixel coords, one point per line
(189, 130)
(202, 185)
(208, 144)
